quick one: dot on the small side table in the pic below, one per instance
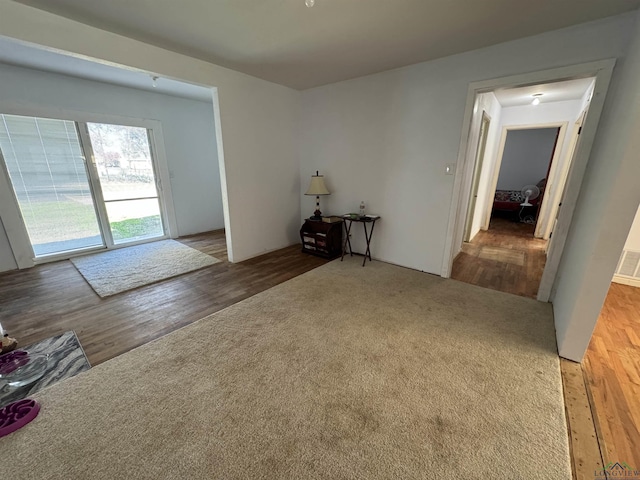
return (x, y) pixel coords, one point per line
(348, 221)
(321, 238)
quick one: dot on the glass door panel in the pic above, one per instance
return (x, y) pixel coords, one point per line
(47, 169)
(132, 220)
(124, 167)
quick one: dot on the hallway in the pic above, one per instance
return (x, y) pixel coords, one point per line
(506, 258)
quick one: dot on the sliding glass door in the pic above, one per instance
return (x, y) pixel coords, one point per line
(46, 166)
(68, 203)
(124, 167)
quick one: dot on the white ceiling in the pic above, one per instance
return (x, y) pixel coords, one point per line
(285, 42)
(15, 53)
(551, 92)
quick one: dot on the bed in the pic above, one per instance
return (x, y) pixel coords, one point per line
(510, 200)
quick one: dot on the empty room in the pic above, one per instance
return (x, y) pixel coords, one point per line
(253, 239)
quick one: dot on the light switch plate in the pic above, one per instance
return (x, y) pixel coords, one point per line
(450, 169)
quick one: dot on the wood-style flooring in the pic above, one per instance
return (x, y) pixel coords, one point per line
(612, 373)
(506, 258)
(52, 298)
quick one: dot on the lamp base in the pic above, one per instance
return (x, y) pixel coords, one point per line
(317, 215)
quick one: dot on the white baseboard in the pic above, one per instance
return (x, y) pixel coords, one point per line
(634, 282)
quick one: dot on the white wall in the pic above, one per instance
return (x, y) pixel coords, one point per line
(258, 162)
(386, 138)
(633, 239)
(625, 273)
(608, 202)
(7, 260)
(526, 158)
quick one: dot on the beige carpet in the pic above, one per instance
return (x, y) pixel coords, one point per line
(123, 269)
(342, 373)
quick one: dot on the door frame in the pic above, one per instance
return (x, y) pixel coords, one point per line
(560, 175)
(491, 192)
(481, 151)
(542, 212)
(10, 211)
(602, 70)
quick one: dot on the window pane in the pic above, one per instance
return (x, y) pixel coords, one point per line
(47, 171)
(123, 159)
(133, 220)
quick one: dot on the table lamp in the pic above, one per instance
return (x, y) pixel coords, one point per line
(317, 188)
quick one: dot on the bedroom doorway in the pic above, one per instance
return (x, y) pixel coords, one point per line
(505, 253)
(522, 170)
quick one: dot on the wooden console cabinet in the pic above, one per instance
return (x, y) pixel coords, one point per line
(321, 238)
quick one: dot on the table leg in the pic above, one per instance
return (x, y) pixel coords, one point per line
(347, 229)
(367, 253)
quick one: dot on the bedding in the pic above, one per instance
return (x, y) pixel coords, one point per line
(510, 200)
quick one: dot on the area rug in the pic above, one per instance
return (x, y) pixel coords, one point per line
(127, 268)
(344, 372)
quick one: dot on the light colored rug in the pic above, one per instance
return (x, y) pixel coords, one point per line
(505, 255)
(342, 373)
(127, 268)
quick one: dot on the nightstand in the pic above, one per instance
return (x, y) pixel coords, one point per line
(321, 238)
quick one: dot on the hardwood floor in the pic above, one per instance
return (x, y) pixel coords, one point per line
(586, 457)
(506, 258)
(52, 298)
(612, 372)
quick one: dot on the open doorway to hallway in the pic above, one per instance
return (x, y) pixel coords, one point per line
(522, 162)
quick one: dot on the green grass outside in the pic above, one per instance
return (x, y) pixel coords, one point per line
(59, 221)
(53, 221)
(136, 227)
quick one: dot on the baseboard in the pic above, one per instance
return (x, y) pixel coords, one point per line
(634, 282)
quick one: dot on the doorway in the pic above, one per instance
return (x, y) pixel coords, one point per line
(504, 254)
(516, 180)
(522, 172)
(81, 186)
(477, 170)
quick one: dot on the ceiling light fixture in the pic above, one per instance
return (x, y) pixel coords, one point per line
(309, 3)
(536, 98)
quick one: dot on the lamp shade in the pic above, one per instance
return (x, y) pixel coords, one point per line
(317, 186)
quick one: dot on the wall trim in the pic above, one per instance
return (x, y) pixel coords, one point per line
(633, 282)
